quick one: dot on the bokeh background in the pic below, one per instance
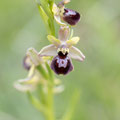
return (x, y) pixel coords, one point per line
(97, 78)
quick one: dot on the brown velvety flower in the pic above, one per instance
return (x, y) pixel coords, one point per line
(62, 50)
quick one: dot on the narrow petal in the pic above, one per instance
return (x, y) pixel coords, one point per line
(71, 34)
(73, 41)
(56, 12)
(31, 71)
(54, 40)
(58, 20)
(64, 33)
(76, 54)
(49, 50)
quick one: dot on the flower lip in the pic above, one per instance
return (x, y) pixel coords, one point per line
(61, 64)
(70, 16)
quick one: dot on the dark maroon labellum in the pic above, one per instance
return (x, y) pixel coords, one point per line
(70, 16)
(61, 64)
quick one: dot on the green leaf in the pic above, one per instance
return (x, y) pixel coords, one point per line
(44, 17)
(36, 103)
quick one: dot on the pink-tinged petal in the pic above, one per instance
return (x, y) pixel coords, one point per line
(76, 54)
(49, 50)
(64, 33)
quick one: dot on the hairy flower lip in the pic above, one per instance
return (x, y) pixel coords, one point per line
(61, 65)
(62, 49)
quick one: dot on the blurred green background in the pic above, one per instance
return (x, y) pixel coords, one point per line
(97, 78)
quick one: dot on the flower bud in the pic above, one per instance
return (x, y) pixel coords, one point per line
(70, 16)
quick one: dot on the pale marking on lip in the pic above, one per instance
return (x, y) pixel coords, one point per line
(63, 50)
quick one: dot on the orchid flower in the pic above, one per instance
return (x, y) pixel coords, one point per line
(30, 62)
(41, 84)
(67, 15)
(62, 50)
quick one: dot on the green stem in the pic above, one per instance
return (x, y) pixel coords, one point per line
(45, 9)
(42, 71)
(48, 10)
(47, 99)
(50, 93)
(50, 73)
(50, 103)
